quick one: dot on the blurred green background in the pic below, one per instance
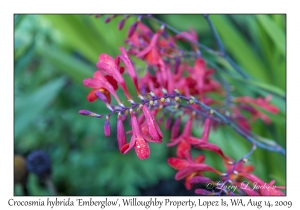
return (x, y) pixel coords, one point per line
(54, 53)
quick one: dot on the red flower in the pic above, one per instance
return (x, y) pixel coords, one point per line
(250, 105)
(121, 136)
(110, 66)
(190, 168)
(183, 146)
(138, 141)
(260, 102)
(99, 82)
(153, 128)
(190, 36)
(151, 52)
(200, 144)
(200, 77)
(126, 60)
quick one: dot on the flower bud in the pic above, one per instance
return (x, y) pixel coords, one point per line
(121, 136)
(168, 123)
(107, 127)
(132, 29)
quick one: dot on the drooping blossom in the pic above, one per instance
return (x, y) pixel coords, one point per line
(190, 168)
(109, 66)
(154, 130)
(182, 145)
(139, 139)
(130, 69)
(100, 83)
(252, 106)
(121, 136)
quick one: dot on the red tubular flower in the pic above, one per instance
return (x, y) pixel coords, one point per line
(190, 36)
(241, 120)
(126, 60)
(198, 74)
(109, 66)
(190, 168)
(248, 104)
(138, 141)
(151, 52)
(199, 143)
(153, 56)
(260, 102)
(175, 128)
(99, 82)
(121, 136)
(154, 129)
(183, 146)
(206, 129)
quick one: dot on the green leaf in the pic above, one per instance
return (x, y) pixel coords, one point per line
(275, 33)
(25, 59)
(35, 103)
(264, 86)
(237, 45)
(64, 62)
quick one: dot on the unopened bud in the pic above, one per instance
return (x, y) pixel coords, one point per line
(132, 29)
(107, 127)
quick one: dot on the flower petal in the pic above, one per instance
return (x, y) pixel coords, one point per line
(182, 148)
(199, 179)
(128, 146)
(154, 129)
(121, 133)
(100, 82)
(91, 97)
(126, 60)
(178, 163)
(194, 168)
(92, 83)
(206, 129)
(198, 143)
(108, 66)
(175, 128)
(142, 148)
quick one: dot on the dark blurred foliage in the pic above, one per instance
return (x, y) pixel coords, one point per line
(54, 53)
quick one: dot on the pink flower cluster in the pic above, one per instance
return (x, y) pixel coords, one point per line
(173, 76)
